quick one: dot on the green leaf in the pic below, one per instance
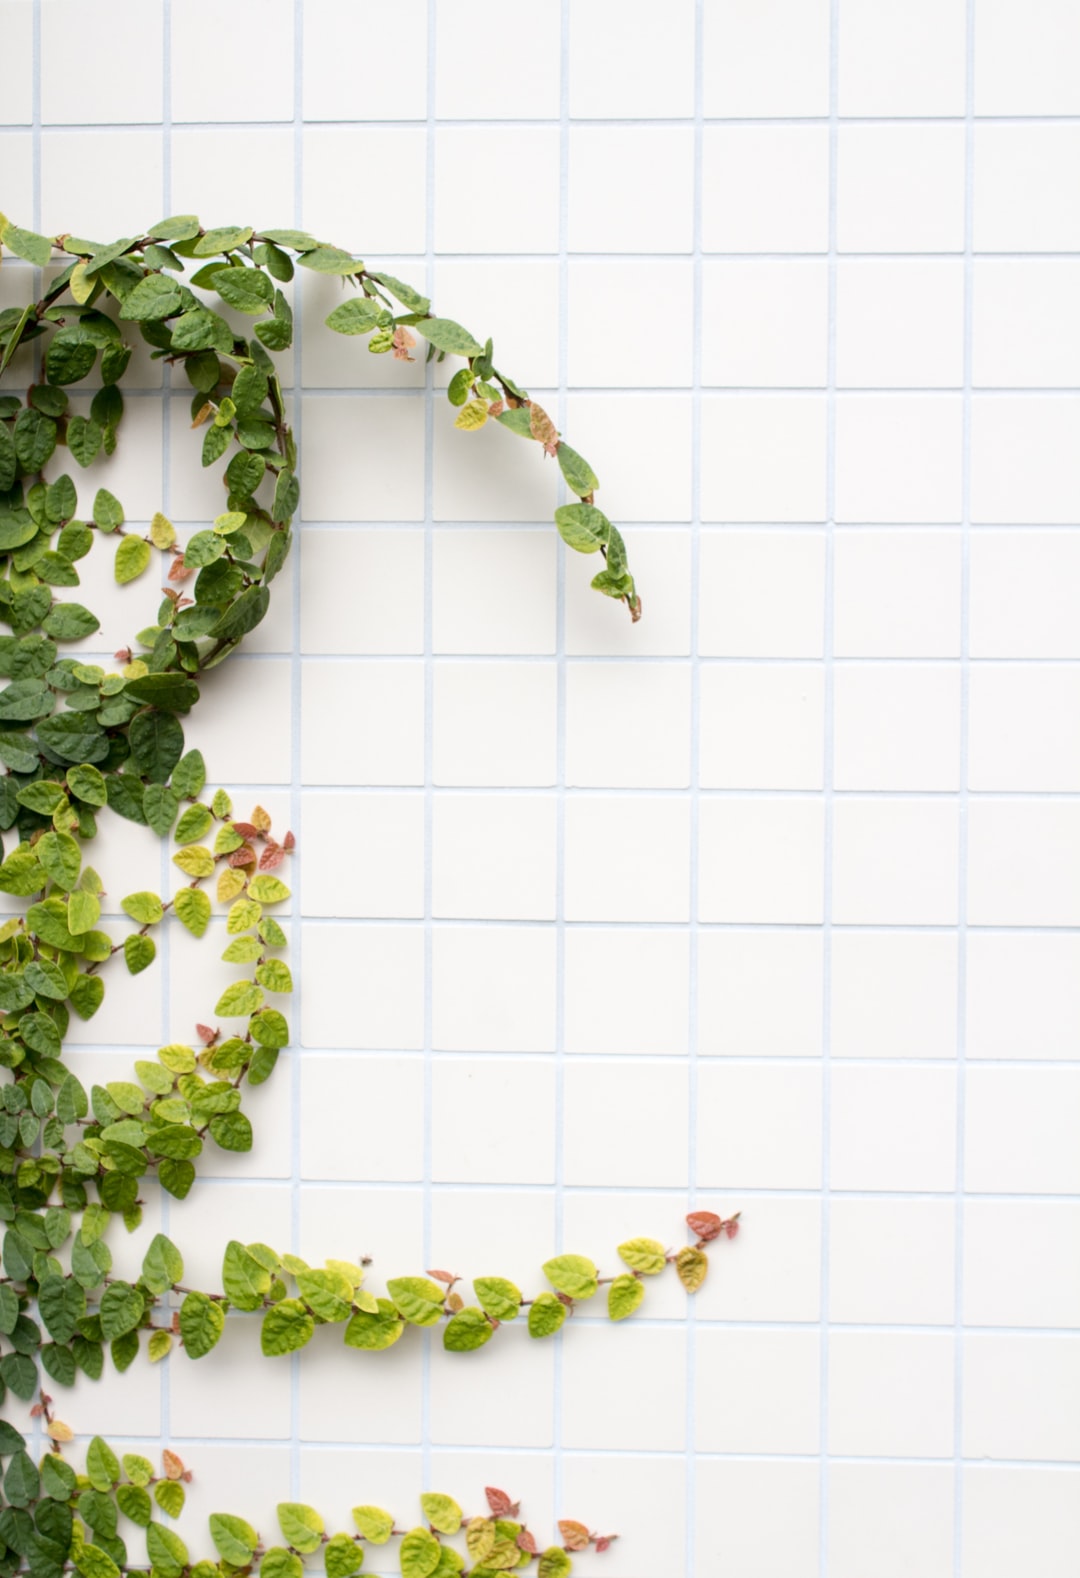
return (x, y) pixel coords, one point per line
(468, 1329)
(235, 1539)
(546, 1315)
(358, 315)
(420, 1552)
(88, 992)
(102, 1465)
(448, 336)
(26, 244)
(146, 908)
(625, 1294)
(285, 1328)
(580, 476)
(108, 511)
(275, 975)
(60, 857)
(554, 1563)
(280, 1563)
(139, 953)
(155, 296)
(241, 998)
(246, 289)
(121, 1310)
(225, 239)
(157, 743)
(404, 293)
(132, 558)
(46, 980)
(574, 1275)
(301, 1526)
(86, 783)
(193, 909)
(169, 1493)
(418, 1299)
(330, 260)
(201, 1323)
(169, 692)
(163, 1264)
(582, 527)
(500, 1298)
(160, 804)
(267, 889)
(189, 779)
(328, 1294)
(373, 1332)
(22, 1481)
(245, 1281)
(166, 1550)
(442, 1512)
(341, 1557)
(644, 1254)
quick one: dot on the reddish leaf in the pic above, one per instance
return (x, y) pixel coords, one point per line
(525, 1542)
(605, 1540)
(500, 1503)
(123, 656)
(444, 1276)
(244, 856)
(246, 829)
(271, 857)
(174, 1467)
(206, 1035)
(496, 408)
(575, 1536)
(731, 1226)
(179, 571)
(288, 842)
(704, 1224)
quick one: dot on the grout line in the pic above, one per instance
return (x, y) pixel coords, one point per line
(694, 951)
(558, 1361)
(167, 873)
(964, 776)
(828, 645)
(296, 780)
(429, 732)
(495, 124)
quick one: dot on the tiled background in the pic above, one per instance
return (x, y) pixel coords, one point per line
(767, 903)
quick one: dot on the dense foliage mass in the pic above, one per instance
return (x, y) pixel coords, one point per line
(80, 740)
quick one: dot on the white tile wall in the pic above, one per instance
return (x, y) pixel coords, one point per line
(769, 903)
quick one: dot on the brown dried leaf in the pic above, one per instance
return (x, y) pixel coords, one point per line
(203, 414)
(575, 1536)
(496, 408)
(704, 1225)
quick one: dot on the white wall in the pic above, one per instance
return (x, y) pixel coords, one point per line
(768, 903)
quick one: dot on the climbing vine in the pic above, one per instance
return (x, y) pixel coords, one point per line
(79, 740)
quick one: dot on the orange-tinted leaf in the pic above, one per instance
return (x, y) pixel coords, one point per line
(403, 343)
(444, 1276)
(543, 428)
(575, 1536)
(261, 819)
(704, 1224)
(173, 1466)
